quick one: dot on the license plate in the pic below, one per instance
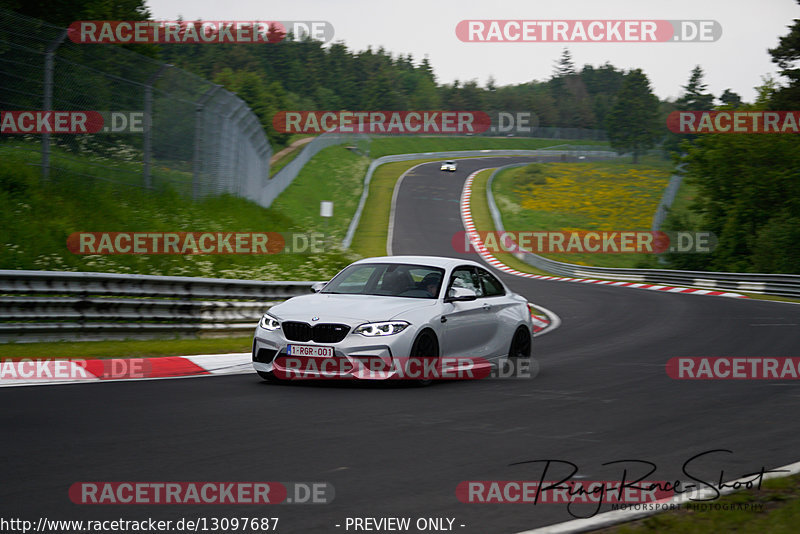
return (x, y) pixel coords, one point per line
(309, 350)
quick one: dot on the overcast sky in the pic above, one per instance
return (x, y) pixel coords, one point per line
(427, 27)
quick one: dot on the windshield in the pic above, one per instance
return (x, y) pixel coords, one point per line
(388, 280)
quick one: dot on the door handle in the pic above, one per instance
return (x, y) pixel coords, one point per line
(487, 307)
(443, 319)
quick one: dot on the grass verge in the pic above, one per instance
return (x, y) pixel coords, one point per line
(373, 228)
(37, 218)
(611, 195)
(289, 156)
(777, 499)
(126, 349)
(479, 206)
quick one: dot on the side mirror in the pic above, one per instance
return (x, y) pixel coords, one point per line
(317, 287)
(460, 294)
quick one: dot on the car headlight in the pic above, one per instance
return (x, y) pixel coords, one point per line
(269, 322)
(386, 328)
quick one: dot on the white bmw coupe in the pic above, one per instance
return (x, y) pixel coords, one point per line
(395, 307)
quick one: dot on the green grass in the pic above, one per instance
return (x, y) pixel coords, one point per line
(683, 200)
(609, 195)
(481, 217)
(335, 174)
(36, 219)
(372, 232)
(780, 514)
(288, 157)
(126, 349)
(384, 146)
(120, 164)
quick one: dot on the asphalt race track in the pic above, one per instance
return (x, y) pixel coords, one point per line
(602, 395)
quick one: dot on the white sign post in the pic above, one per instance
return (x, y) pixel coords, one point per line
(326, 211)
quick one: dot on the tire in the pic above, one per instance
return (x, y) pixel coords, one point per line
(426, 345)
(520, 344)
(269, 377)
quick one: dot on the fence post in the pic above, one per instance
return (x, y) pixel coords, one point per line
(198, 138)
(47, 103)
(232, 152)
(148, 123)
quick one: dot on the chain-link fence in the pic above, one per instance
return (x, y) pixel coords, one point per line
(195, 137)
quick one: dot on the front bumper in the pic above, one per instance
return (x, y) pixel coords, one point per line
(270, 355)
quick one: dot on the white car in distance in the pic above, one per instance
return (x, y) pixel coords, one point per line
(449, 165)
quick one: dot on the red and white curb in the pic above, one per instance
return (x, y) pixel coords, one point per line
(33, 372)
(49, 372)
(488, 257)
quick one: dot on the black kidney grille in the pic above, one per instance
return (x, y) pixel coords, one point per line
(321, 333)
(329, 332)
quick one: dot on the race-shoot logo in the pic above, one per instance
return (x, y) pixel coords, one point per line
(198, 32)
(734, 122)
(588, 31)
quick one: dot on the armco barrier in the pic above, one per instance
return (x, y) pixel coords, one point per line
(351, 230)
(63, 306)
(786, 285)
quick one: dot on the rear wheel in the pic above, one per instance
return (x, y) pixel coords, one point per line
(425, 346)
(520, 344)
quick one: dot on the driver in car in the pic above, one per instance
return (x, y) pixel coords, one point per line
(430, 283)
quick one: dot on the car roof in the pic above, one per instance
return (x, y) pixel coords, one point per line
(433, 261)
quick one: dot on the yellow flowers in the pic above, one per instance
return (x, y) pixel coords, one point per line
(590, 196)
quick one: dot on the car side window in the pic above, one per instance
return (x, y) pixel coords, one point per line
(466, 277)
(491, 285)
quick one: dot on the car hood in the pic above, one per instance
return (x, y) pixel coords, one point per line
(348, 308)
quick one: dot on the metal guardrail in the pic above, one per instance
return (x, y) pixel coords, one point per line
(286, 175)
(70, 306)
(786, 285)
(351, 229)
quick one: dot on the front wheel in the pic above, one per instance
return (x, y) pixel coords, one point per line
(269, 377)
(425, 346)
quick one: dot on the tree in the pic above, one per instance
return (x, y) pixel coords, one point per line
(730, 99)
(696, 96)
(564, 66)
(632, 124)
(786, 55)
